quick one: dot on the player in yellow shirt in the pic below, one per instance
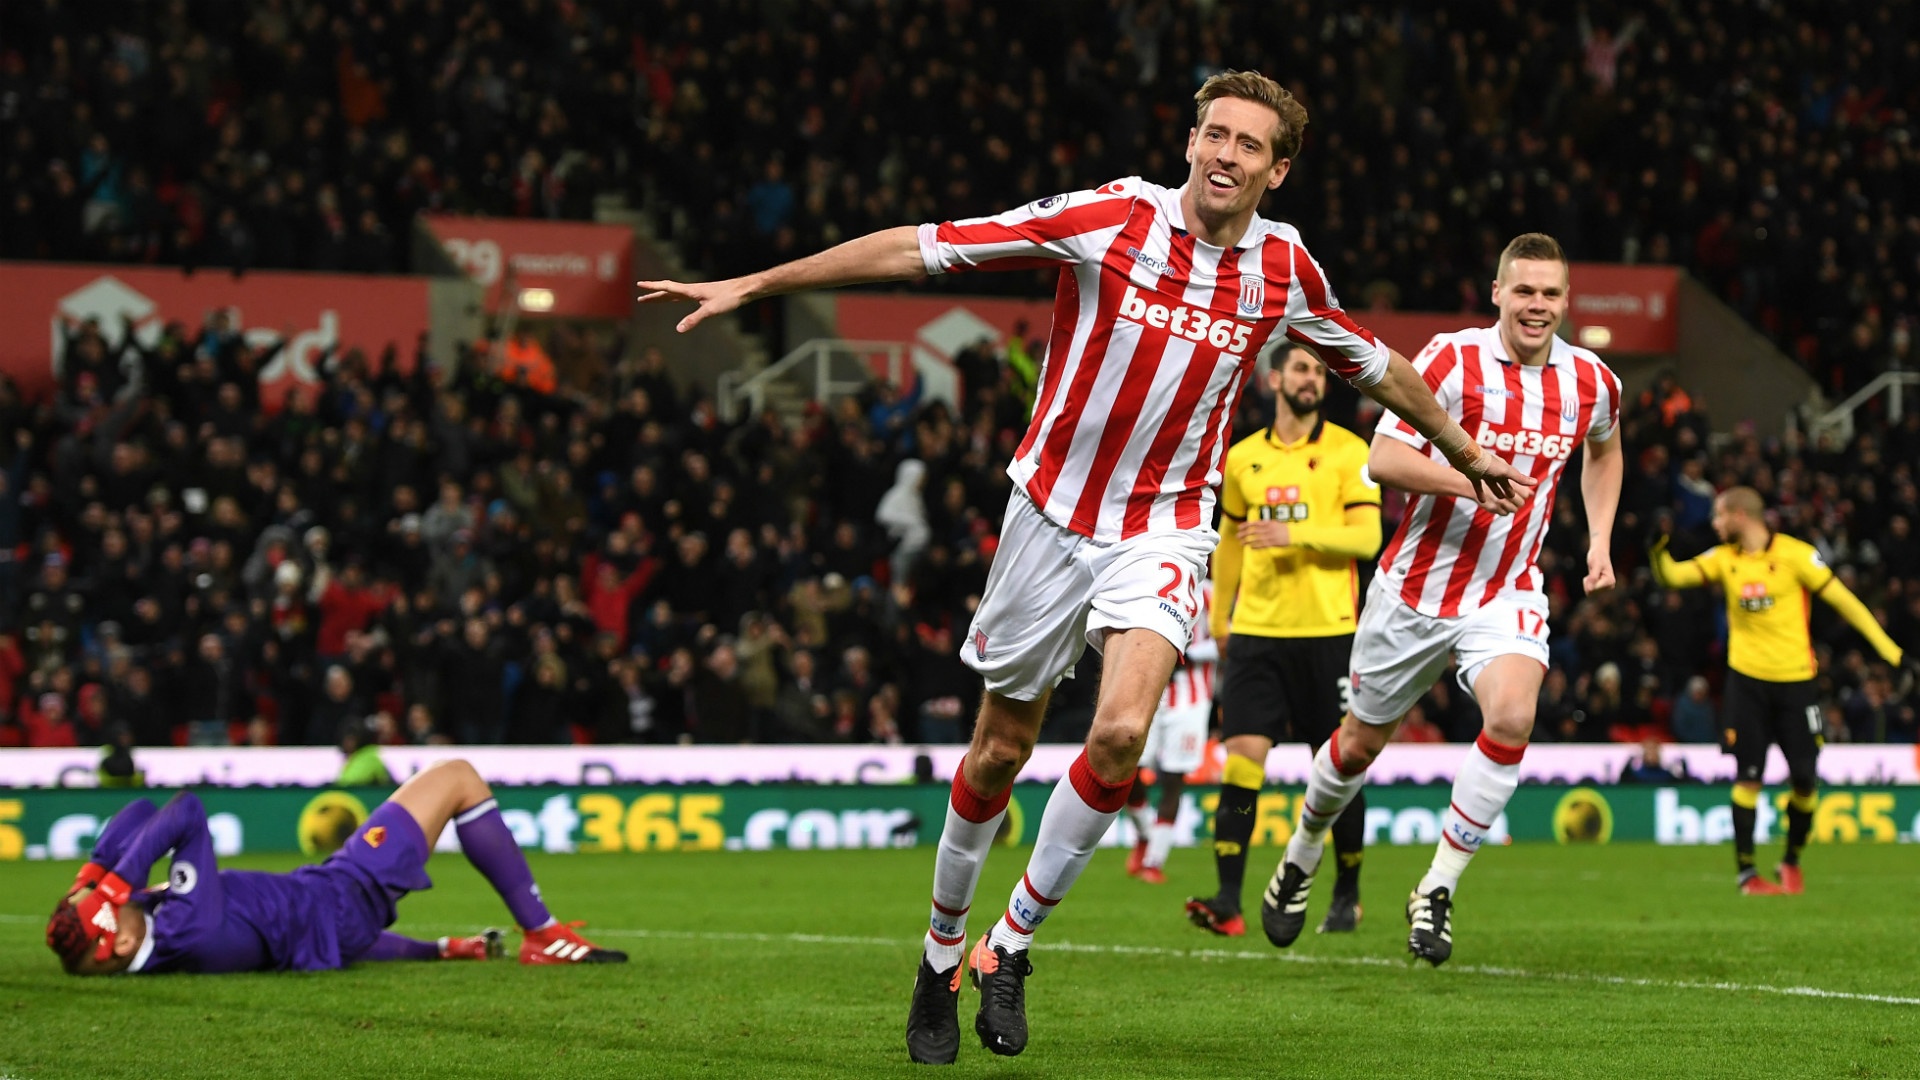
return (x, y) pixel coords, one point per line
(1299, 511)
(1770, 581)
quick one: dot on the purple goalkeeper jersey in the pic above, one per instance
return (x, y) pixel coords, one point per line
(204, 919)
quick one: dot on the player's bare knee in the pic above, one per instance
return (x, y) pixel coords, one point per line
(997, 757)
(1509, 727)
(1360, 743)
(1116, 742)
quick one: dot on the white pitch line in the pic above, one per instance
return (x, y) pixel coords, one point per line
(1230, 954)
(1292, 958)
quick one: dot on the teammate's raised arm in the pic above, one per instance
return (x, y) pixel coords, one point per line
(887, 255)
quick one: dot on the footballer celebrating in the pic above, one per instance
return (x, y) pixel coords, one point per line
(1457, 582)
(1302, 511)
(1165, 298)
(1769, 581)
(208, 920)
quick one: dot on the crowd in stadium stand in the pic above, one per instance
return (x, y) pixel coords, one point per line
(458, 559)
(419, 556)
(1763, 146)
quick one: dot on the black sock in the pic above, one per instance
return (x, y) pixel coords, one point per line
(1743, 822)
(1349, 844)
(1799, 824)
(1232, 832)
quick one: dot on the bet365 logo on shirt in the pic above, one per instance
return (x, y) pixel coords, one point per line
(1191, 323)
(1532, 443)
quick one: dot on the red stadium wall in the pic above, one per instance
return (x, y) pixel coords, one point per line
(316, 310)
(579, 270)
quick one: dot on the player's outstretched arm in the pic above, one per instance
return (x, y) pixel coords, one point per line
(1600, 489)
(1669, 573)
(1397, 465)
(1851, 609)
(887, 255)
(1495, 484)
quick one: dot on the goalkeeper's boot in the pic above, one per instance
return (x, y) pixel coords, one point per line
(1283, 908)
(1431, 917)
(1790, 882)
(561, 943)
(488, 944)
(1205, 915)
(1152, 875)
(1753, 884)
(1343, 916)
(933, 1020)
(1001, 977)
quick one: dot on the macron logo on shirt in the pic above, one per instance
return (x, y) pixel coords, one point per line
(1187, 322)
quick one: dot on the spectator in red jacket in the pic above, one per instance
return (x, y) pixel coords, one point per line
(46, 722)
(347, 604)
(609, 597)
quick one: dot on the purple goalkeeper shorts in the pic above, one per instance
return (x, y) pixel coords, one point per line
(383, 861)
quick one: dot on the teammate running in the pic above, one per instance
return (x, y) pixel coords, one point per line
(1176, 745)
(1458, 582)
(1165, 298)
(1769, 581)
(204, 919)
(1305, 510)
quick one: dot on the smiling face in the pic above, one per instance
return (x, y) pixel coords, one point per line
(1232, 157)
(1532, 297)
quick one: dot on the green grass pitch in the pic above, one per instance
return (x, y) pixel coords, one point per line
(1621, 961)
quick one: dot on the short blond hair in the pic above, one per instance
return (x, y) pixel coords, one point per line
(1744, 500)
(1533, 245)
(1257, 88)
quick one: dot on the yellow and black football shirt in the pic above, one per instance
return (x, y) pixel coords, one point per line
(1769, 602)
(1310, 588)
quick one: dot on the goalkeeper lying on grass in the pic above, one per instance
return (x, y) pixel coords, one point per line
(316, 918)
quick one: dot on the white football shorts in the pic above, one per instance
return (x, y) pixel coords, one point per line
(1052, 592)
(1177, 741)
(1398, 653)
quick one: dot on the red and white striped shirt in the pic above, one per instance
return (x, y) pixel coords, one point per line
(1154, 337)
(1192, 682)
(1449, 557)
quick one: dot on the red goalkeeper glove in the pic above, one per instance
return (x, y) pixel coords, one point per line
(100, 911)
(89, 876)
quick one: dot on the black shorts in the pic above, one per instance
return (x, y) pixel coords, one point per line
(1285, 689)
(1758, 713)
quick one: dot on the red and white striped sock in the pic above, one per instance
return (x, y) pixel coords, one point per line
(1486, 780)
(973, 820)
(1078, 814)
(1329, 789)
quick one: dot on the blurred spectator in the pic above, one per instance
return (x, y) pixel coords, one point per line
(1694, 719)
(1648, 768)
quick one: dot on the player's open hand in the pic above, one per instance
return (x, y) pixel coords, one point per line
(1260, 533)
(1498, 487)
(1599, 571)
(714, 297)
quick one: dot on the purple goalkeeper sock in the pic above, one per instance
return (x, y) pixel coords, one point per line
(393, 946)
(490, 847)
